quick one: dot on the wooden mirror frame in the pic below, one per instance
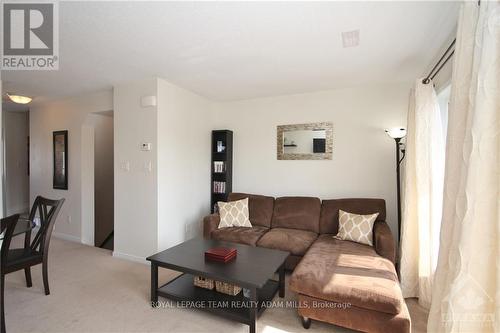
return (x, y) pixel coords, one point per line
(327, 155)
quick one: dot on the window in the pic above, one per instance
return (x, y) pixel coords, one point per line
(443, 101)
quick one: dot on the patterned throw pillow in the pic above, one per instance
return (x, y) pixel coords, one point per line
(356, 228)
(234, 214)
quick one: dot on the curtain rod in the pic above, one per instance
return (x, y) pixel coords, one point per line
(438, 66)
(431, 76)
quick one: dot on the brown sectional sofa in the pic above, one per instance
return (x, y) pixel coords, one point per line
(339, 282)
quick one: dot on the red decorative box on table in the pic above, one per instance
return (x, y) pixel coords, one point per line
(220, 254)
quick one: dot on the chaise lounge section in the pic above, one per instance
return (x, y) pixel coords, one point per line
(339, 282)
(345, 284)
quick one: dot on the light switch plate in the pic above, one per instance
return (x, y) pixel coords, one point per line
(147, 101)
(125, 166)
(146, 146)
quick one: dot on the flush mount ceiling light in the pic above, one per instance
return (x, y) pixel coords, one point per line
(350, 38)
(19, 99)
(396, 132)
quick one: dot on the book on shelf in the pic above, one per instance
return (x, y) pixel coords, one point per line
(219, 187)
(221, 147)
(219, 167)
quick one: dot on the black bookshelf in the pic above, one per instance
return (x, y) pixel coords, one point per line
(221, 166)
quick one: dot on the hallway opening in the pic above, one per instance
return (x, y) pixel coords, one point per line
(102, 124)
(16, 162)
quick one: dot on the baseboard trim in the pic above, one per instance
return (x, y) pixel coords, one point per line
(116, 254)
(130, 257)
(87, 242)
(67, 237)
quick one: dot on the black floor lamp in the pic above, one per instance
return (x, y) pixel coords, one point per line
(398, 133)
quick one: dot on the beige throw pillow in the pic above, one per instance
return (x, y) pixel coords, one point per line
(356, 228)
(234, 214)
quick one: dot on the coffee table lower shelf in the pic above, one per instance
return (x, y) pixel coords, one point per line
(237, 308)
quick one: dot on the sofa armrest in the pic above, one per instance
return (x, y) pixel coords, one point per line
(384, 241)
(210, 223)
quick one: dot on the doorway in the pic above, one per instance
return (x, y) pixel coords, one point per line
(16, 162)
(103, 179)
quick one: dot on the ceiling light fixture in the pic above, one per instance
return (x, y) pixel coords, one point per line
(19, 99)
(396, 132)
(350, 38)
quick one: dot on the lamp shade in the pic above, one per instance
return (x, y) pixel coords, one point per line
(396, 132)
(19, 99)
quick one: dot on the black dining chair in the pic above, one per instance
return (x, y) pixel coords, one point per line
(37, 251)
(7, 226)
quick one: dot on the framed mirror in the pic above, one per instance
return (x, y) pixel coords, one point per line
(60, 146)
(312, 141)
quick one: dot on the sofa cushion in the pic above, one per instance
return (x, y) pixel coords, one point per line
(260, 207)
(347, 272)
(241, 235)
(329, 221)
(234, 214)
(292, 240)
(356, 228)
(297, 213)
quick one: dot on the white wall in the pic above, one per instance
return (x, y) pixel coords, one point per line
(184, 139)
(136, 187)
(363, 163)
(161, 195)
(153, 207)
(68, 114)
(16, 132)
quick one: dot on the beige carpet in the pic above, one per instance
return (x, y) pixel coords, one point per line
(93, 292)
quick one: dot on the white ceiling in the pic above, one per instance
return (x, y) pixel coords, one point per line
(238, 50)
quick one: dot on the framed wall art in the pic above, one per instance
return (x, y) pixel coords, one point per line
(60, 146)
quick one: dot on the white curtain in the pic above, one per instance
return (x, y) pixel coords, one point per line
(423, 194)
(466, 293)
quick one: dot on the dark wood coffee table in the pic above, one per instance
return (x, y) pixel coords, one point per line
(252, 269)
